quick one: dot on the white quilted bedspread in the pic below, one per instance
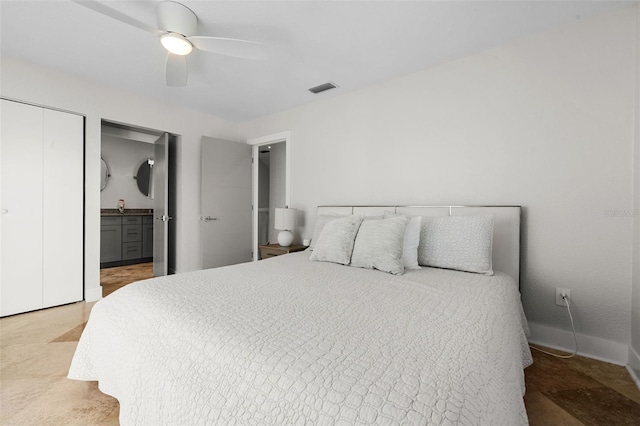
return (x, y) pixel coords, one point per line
(289, 341)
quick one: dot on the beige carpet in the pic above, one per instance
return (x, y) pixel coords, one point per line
(35, 354)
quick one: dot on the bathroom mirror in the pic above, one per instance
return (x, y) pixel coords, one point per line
(104, 175)
(144, 177)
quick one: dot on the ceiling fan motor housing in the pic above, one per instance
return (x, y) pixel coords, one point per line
(176, 18)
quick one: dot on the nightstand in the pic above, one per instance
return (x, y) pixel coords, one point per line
(271, 250)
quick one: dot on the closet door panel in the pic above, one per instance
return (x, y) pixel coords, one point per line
(21, 176)
(63, 208)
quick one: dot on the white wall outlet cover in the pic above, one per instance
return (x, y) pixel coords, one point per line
(559, 292)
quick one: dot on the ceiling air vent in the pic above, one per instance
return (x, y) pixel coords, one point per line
(323, 87)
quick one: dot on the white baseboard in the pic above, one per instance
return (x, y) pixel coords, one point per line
(591, 347)
(93, 294)
(634, 365)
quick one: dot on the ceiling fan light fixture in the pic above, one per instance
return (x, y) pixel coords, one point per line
(176, 43)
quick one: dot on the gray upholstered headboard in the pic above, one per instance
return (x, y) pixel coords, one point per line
(506, 226)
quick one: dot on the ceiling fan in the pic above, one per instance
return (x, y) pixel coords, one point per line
(177, 26)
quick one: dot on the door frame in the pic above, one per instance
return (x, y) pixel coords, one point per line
(256, 144)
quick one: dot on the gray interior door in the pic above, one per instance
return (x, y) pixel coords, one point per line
(160, 191)
(225, 203)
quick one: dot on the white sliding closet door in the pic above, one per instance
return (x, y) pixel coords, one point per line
(21, 177)
(42, 202)
(63, 208)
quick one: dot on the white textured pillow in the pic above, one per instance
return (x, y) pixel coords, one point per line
(321, 222)
(463, 243)
(335, 242)
(411, 241)
(379, 245)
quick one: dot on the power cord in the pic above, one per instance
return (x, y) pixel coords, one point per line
(575, 339)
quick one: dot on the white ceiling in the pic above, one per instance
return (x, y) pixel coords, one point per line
(353, 44)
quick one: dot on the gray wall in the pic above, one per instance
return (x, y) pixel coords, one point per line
(277, 179)
(263, 181)
(634, 352)
(123, 157)
(546, 122)
(263, 198)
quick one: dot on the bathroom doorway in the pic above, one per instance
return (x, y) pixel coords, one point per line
(137, 203)
(271, 185)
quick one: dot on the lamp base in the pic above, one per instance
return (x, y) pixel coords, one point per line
(285, 238)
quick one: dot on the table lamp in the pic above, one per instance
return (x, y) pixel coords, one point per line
(285, 222)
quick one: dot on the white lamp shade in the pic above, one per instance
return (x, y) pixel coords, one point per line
(285, 219)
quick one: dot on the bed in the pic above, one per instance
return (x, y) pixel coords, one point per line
(289, 340)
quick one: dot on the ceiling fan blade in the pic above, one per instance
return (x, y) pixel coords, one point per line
(114, 14)
(230, 47)
(176, 71)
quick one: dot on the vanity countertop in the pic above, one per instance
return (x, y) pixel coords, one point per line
(127, 212)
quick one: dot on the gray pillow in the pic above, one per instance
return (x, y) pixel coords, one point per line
(411, 240)
(335, 242)
(321, 222)
(463, 243)
(380, 245)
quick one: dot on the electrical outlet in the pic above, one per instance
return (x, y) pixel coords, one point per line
(559, 292)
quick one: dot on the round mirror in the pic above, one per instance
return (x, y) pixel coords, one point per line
(104, 175)
(144, 177)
